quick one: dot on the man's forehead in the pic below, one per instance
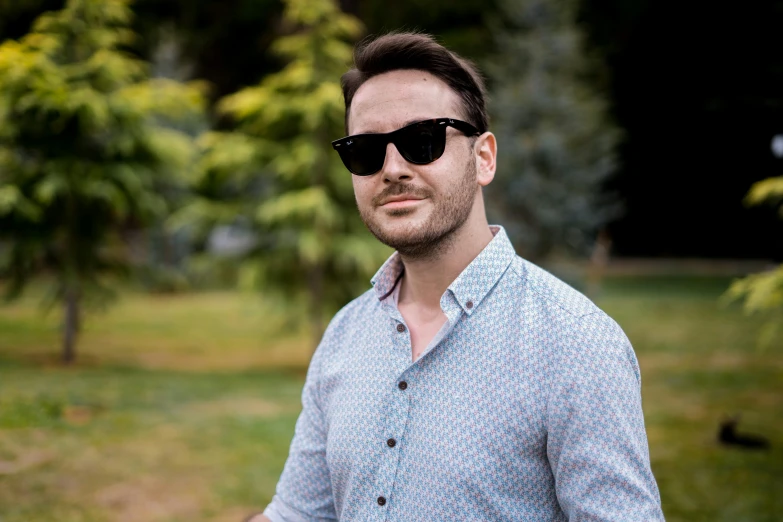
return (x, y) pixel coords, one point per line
(391, 100)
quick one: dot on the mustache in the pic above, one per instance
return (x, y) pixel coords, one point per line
(401, 190)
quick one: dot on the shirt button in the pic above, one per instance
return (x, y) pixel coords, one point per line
(400, 327)
(391, 443)
(403, 385)
(381, 501)
(469, 304)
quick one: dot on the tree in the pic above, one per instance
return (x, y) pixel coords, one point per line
(278, 176)
(557, 143)
(763, 292)
(87, 151)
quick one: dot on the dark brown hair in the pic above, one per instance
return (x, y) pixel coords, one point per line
(396, 51)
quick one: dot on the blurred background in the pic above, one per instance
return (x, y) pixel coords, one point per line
(176, 232)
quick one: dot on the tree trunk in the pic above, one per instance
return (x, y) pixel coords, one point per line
(315, 274)
(599, 259)
(71, 325)
(315, 283)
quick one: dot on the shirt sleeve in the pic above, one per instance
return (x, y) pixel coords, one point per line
(596, 440)
(304, 492)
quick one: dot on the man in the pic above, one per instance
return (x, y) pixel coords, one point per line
(467, 384)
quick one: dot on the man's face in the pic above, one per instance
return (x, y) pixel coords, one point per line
(414, 209)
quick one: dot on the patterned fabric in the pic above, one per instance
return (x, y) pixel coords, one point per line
(527, 408)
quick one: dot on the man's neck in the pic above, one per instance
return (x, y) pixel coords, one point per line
(426, 279)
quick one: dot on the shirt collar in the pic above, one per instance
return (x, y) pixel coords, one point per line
(472, 285)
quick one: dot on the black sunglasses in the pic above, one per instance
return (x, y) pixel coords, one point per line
(419, 143)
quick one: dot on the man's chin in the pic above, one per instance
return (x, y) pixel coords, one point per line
(402, 223)
(397, 236)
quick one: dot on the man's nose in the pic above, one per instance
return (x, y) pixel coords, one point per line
(395, 167)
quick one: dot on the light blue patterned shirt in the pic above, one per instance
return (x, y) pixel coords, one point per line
(526, 406)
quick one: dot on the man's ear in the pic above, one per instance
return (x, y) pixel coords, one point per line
(486, 148)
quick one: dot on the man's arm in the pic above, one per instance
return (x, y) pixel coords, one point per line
(596, 440)
(304, 491)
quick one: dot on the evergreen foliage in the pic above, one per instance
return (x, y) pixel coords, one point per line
(556, 141)
(87, 150)
(277, 175)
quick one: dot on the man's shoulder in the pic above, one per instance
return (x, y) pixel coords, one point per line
(353, 313)
(542, 289)
(346, 322)
(578, 329)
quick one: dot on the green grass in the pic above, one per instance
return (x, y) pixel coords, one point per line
(700, 363)
(183, 407)
(104, 444)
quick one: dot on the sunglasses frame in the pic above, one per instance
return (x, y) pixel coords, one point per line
(392, 137)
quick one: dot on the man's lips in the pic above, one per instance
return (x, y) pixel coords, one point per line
(400, 201)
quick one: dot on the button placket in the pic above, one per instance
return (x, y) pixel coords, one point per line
(397, 414)
(394, 429)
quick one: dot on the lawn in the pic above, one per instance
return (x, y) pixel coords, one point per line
(182, 407)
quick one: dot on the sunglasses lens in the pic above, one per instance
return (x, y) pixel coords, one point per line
(422, 143)
(418, 143)
(363, 155)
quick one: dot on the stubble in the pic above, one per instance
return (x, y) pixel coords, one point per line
(436, 235)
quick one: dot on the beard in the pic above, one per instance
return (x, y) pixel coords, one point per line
(433, 236)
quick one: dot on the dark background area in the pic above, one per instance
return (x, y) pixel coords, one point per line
(696, 86)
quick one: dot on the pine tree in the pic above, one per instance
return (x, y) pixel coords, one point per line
(86, 151)
(278, 175)
(556, 141)
(762, 293)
